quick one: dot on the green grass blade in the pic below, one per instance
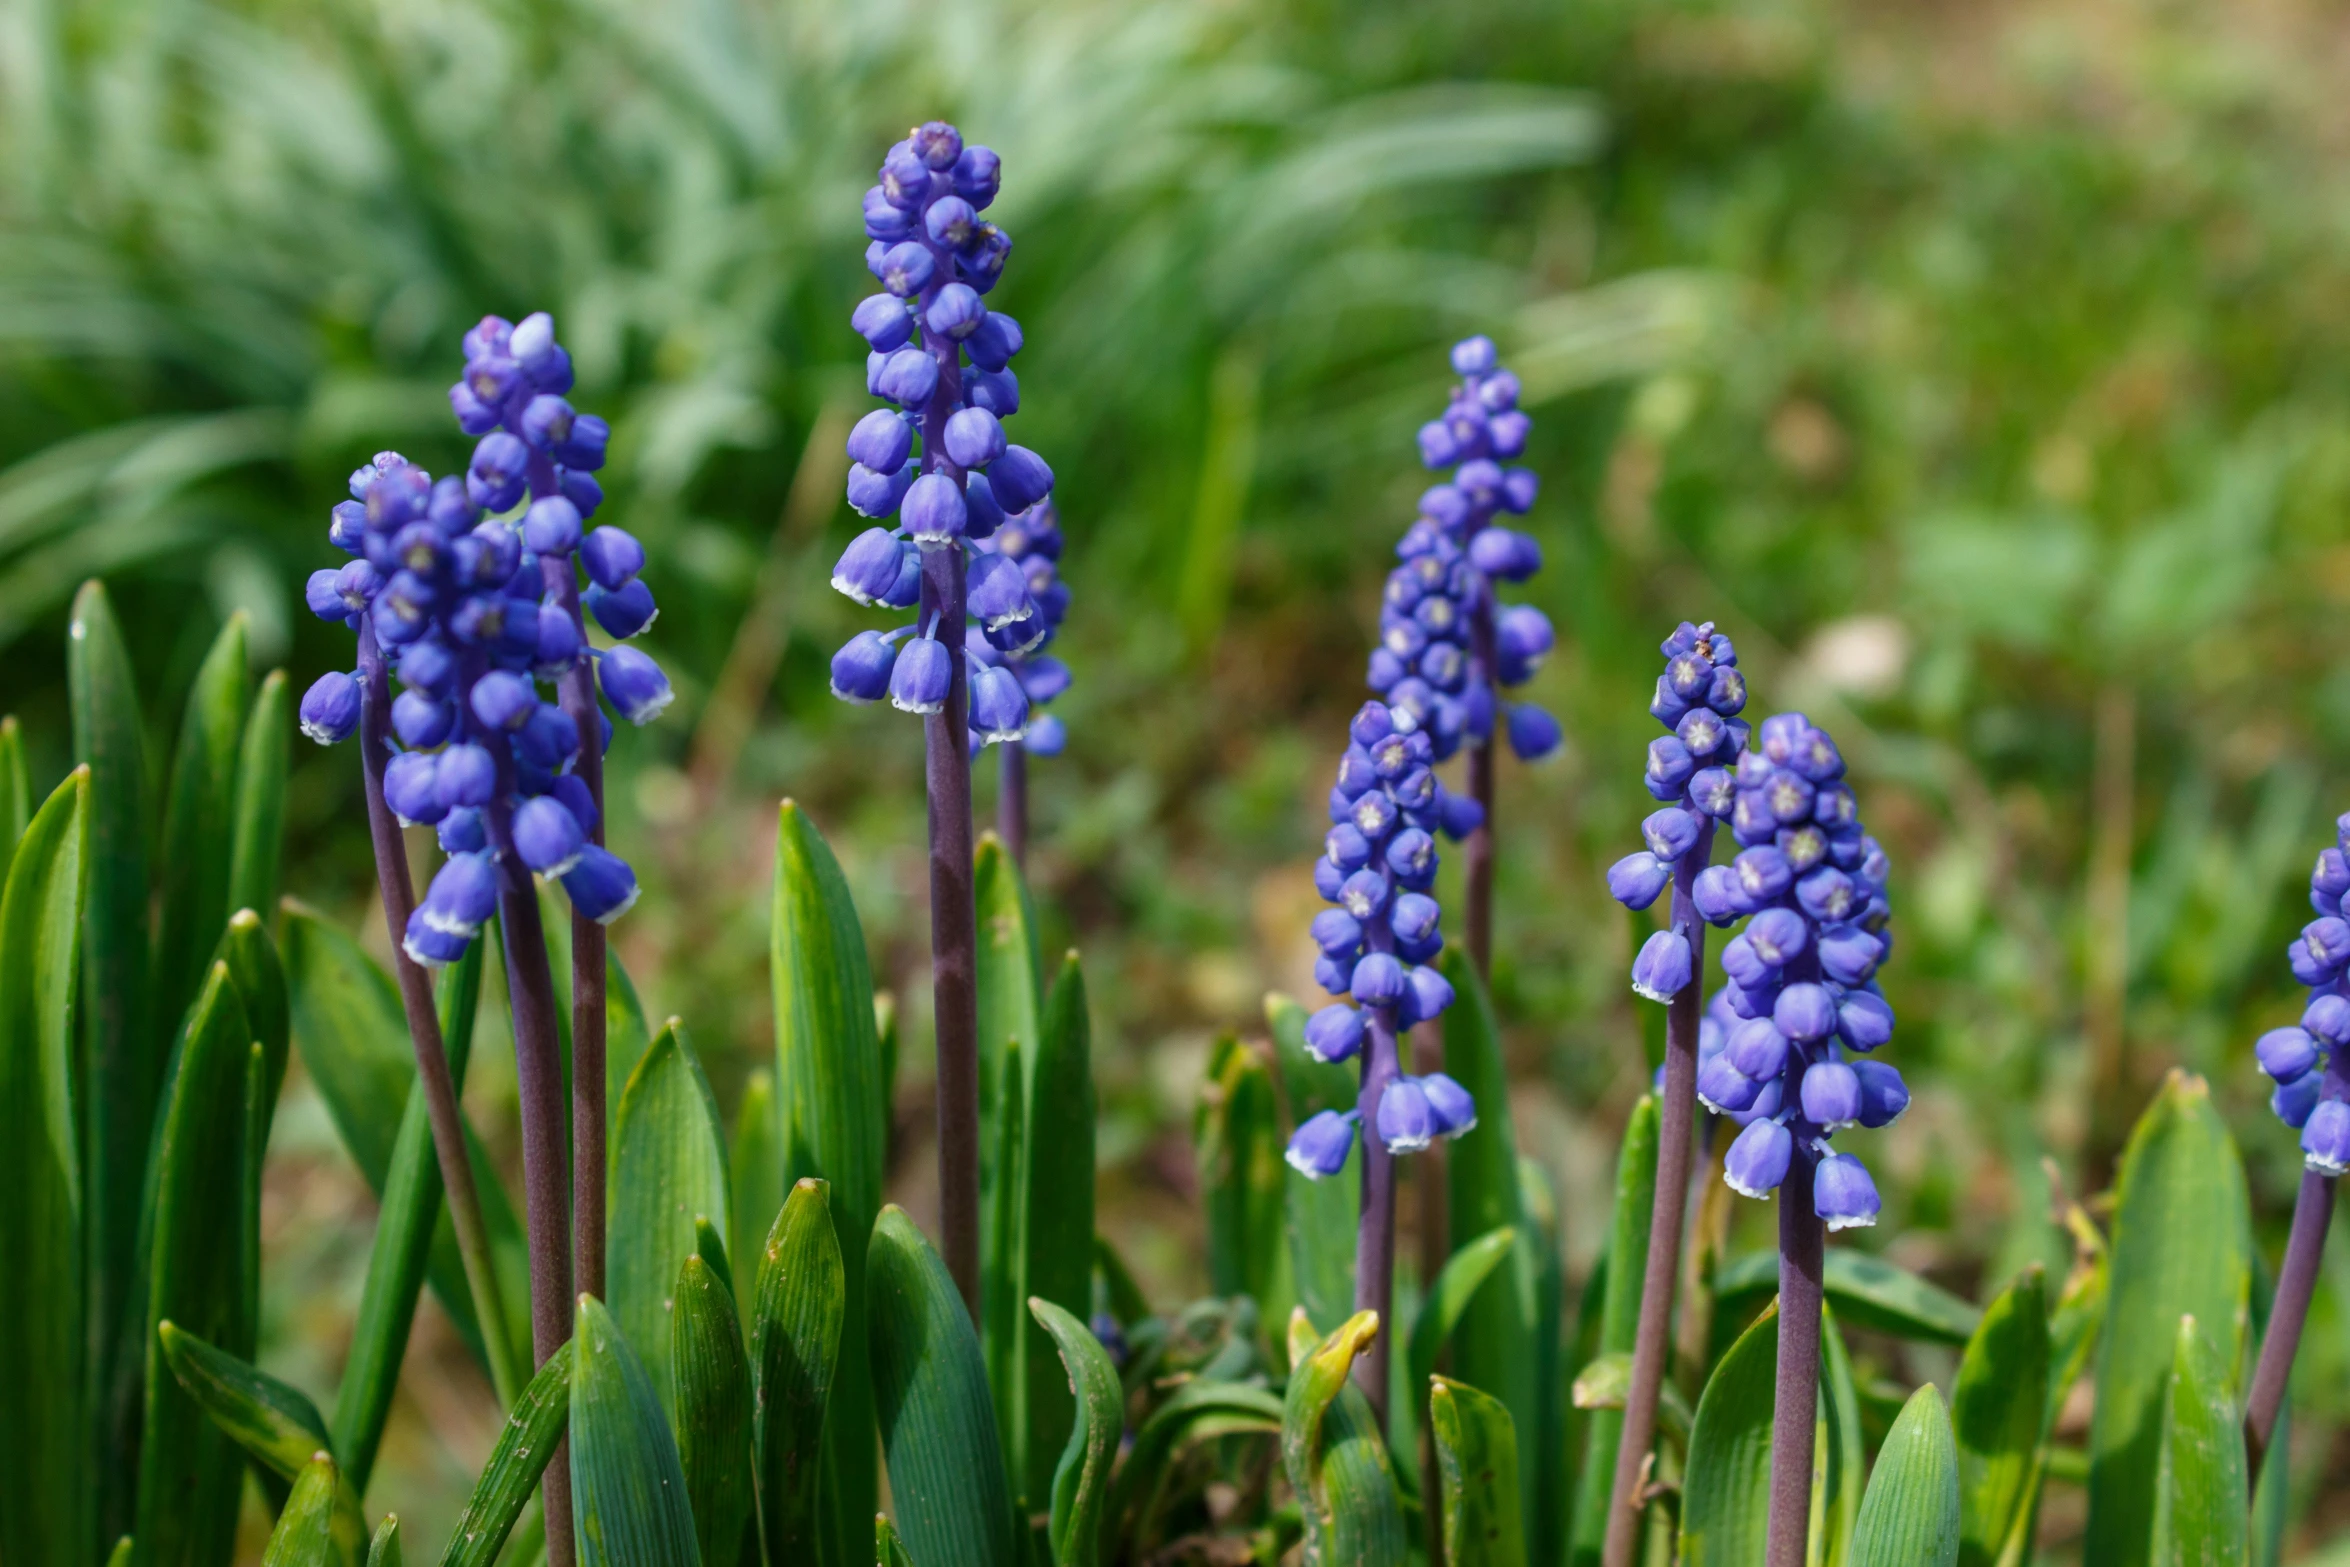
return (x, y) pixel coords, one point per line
(668, 1166)
(1910, 1517)
(1837, 1482)
(1725, 1495)
(1081, 1482)
(16, 791)
(1539, 1250)
(1011, 1008)
(2202, 1513)
(1059, 1235)
(1477, 1471)
(930, 1391)
(402, 1247)
(1319, 1217)
(2181, 1247)
(888, 1549)
(1619, 1322)
(124, 1049)
(534, 1429)
(257, 836)
(260, 978)
(1003, 1326)
(755, 1168)
(834, 1124)
(276, 1425)
(199, 822)
(305, 1532)
(798, 1328)
(1335, 1454)
(384, 1549)
(187, 1497)
(1997, 1414)
(1868, 1290)
(45, 1503)
(713, 1410)
(711, 1248)
(1443, 1306)
(627, 1489)
(1236, 1138)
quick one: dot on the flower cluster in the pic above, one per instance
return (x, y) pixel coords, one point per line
(1378, 868)
(468, 585)
(942, 360)
(1444, 643)
(2307, 1060)
(1032, 541)
(1698, 697)
(1802, 1006)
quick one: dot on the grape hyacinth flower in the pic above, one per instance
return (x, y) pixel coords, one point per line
(1447, 647)
(2310, 1064)
(1689, 773)
(1377, 941)
(940, 479)
(1031, 542)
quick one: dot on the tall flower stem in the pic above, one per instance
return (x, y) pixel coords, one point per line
(1653, 1339)
(1375, 1234)
(1796, 1412)
(424, 1023)
(2313, 1214)
(1011, 809)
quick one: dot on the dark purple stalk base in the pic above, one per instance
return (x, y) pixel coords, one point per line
(1795, 1416)
(1011, 805)
(1653, 1338)
(2313, 1214)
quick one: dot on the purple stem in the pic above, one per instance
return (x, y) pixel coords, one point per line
(1477, 853)
(1011, 807)
(424, 1022)
(1796, 1412)
(1653, 1338)
(1375, 1234)
(954, 921)
(2313, 1213)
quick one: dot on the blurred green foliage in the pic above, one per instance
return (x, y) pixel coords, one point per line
(1981, 370)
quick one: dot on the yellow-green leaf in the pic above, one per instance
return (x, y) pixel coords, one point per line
(305, 1532)
(627, 1490)
(1477, 1473)
(1336, 1455)
(668, 1166)
(1725, 1496)
(2202, 1507)
(1081, 1482)
(1910, 1517)
(1997, 1414)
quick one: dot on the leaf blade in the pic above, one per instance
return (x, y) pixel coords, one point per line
(797, 1330)
(668, 1166)
(527, 1442)
(1059, 1228)
(1726, 1490)
(199, 821)
(1910, 1515)
(1081, 1481)
(713, 1410)
(1477, 1471)
(1996, 1414)
(2202, 1501)
(257, 837)
(628, 1490)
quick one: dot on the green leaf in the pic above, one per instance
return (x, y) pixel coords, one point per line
(1539, 1249)
(384, 1549)
(123, 1047)
(1998, 1412)
(1336, 1455)
(888, 1549)
(1477, 1473)
(1320, 1218)
(1196, 1409)
(627, 1490)
(16, 791)
(42, 1210)
(187, 1497)
(305, 1532)
(1059, 1176)
(711, 1248)
(257, 836)
(2202, 1506)
(1236, 1136)
(1442, 1307)
(260, 979)
(755, 1170)
(1726, 1489)
(274, 1423)
(834, 1125)
(199, 822)
(533, 1430)
(402, 1248)
(1910, 1517)
(1627, 1249)
(938, 1428)
(1837, 1477)
(1081, 1482)
(797, 1331)
(2181, 1247)
(668, 1165)
(1010, 1010)
(1869, 1291)
(713, 1410)
(1003, 1332)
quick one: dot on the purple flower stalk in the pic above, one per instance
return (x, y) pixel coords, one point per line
(938, 462)
(2311, 1068)
(470, 588)
(1377, 940)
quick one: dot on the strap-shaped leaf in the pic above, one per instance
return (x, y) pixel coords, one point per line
(834, 1124)
(1442, 1307)
(305, 1532)
(2181, 1247)
(1010, 1012)
(1910, 1517)
(1319, 1218)
(42, 1209)
(627, 1489)
(16, 790)
(1725, 1495)
(1082, 1481)
(1236, 1138)
(2202, 1505)
(1477, 1473)
(384, 1549)
(713, 1408)
(1058, 1239)
(1868, 1290)
(125, 1044)
(1619, 1321)
(199, 822)
(668, 1166)
(257, 840)
(187, 1496)
(533, 1430)
(1997, 1415)
(938, 1431)
(1336, 1455)
(1003, 1326)
(276, 1424)
(888, 1549)
(797, 1326)
(754, 1167)
(1194, 1410)
(1837, 1484)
